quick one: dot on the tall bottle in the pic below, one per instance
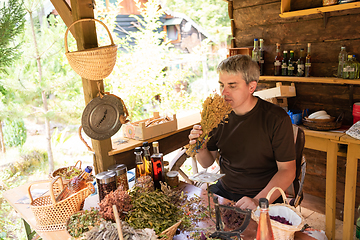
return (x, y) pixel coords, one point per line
(284, 62)
(278, 59)
(308, 62)
(140, 166)
(76, 184)
(291, 64)
(255, 51)
(358, 224)
(146, 159)
(261, 57)
(356, 67)
(157, 165)
(301, 64)
(264, 230)
(342, 60)
(348, 68)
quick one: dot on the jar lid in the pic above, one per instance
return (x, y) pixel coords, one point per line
(172, 174)
(106, 177)
(118, 168)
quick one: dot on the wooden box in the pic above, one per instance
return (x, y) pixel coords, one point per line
(140, 130)
(236, 51)
(278, 91)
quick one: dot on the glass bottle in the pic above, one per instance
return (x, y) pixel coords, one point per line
(157, 165)
(284, 66)
(301, 64)
(255, 51)
(140, 166)
(278, 59)
(347, 70)
(291, 64)
(264, 230)
(76, 184)
(308, 62)
(342, 60)
(146, 159)
(261, 57)
(356, 67)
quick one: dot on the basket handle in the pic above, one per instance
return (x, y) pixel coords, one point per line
(280, 190)
(78, 161)
(85, 20)
(33, 183)
(52, 196)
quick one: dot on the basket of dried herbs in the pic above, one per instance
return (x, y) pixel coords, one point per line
(83, 221)
(66, 173)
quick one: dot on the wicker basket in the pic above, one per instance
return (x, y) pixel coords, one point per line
(282, 231)
(170, 232)
(92, 63)
(322, 124)
(63, 170)
(51, 215)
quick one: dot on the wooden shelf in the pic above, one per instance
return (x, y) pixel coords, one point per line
(328, 80)
(286, 13)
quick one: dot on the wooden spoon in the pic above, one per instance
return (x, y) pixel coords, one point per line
(118, 222)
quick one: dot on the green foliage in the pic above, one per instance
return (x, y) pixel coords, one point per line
(59, 137)
(11, 25)
(14, 133)
(212, 15)
(142, 76)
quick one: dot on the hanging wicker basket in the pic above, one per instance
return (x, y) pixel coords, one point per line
(51, 215)
(92, 63)
(282, 231)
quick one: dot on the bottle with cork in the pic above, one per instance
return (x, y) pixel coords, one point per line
(157, 165)
(76, 184)
(264, 230)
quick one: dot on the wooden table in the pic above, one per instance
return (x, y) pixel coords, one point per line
(328, 142)
(25, 212)
(124, 152)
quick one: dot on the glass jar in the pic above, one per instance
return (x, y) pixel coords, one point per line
(106, 182)
(121, 175)
(172, 179)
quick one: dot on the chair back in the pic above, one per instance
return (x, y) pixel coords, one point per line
(299, 138)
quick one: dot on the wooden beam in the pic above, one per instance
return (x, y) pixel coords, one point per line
(85, 35)
(64, 10)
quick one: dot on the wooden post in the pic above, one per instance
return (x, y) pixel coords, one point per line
(85, 35)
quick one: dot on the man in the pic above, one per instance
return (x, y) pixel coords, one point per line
(256, 143)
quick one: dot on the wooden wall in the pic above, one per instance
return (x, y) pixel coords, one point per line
(260, 19)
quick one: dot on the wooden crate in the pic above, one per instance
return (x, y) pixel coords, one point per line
(236, 51)
(278, 91)
(139, 131)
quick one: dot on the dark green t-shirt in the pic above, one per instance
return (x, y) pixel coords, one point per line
(250, 145)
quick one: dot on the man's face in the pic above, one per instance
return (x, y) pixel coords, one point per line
(236, 92)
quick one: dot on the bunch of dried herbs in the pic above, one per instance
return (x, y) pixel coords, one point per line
(83, 221)
(215, 110)
(152, 209)
(120, 198)
(69, 172)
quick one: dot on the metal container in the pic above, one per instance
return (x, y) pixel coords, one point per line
(121, 175)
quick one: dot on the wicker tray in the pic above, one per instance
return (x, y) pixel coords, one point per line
(322, 124)
(51, 215)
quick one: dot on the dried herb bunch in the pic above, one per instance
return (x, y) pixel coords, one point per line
(83, 221)
(152, 209)
(215, 110)
(120, 198)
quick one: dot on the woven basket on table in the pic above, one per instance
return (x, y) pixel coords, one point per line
(282, 231)
(64, 170)
(92, 63)
(170, 232)
(51, 215)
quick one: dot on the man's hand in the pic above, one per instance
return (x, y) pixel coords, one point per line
(195, 134)
(246, 202)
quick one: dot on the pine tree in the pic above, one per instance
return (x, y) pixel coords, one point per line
(11, 25)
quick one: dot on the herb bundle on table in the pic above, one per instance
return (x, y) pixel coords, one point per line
(215, 110)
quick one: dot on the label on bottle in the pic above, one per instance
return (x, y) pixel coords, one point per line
(277, 63)
(284, 65)
(307, 64)
(291, 67)
(300, 69)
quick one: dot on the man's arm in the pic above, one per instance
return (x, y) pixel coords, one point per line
(205, 157)
(283, 178)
